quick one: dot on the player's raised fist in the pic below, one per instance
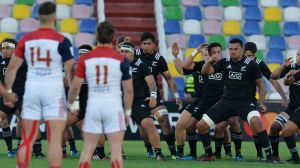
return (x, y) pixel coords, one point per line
(175, 50)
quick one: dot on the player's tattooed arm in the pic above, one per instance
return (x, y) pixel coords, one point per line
(152, 90)
(289, 79)
(261, 91)
(277, 72)
(70, 69)
(171, 83)
(14, 64)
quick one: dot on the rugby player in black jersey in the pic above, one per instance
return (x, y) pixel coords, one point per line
(293, 124)
(294, 103)
(212, 92)
(145, 94)
(240, 74)
(158, 65)
(250, 52)
(8, 47)
(186, 122)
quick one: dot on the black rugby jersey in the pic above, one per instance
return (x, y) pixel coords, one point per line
(139, 71)
(19, 84)
(198, 80)
(239, 77)
(294, 88)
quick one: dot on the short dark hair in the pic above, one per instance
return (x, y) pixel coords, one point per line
(130, 44)
(47, 8)
(250, 46)
(105, 32)
(236, 40)
(86, 46)
(146, 36)
(212, 45)
(10, 40)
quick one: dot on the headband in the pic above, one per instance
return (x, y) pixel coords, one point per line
(127, 47)
(5, 44)
(83, 51)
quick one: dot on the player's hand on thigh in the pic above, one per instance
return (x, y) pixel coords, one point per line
(127, 120)
(152, 101)
(10, 99)
(179, 104)
(262, 108)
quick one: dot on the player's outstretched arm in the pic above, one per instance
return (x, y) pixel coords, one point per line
(73, 100)
(177, 62)
(289, 78)
(189, 62)
(152, 90)
(207, 68)
(261, 91)
(70, 69)
(13, 66)
(277, 72)
(127, 98)
(172, 85)
(278, 88)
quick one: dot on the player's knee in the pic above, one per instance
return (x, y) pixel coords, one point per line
(286, 132)
(203, 125)
(275, 128)
(161, 115)
(280, 121)
(219, 129)
(180, 125)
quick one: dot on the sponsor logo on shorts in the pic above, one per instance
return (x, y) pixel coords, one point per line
(235, 75)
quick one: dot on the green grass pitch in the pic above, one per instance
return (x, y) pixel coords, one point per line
(136, 158)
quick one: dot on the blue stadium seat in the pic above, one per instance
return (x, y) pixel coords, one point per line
(87, 2)
(88, 26)
(180, 83)
(172, 27)
(277, 42)
(35, 11)
(210, 3)
(251, 27)
(238, 37)
(195, 41)
(253, 13)
(75, 53)
(274, 56)
(286, 3)
(20, 35)
(291, 28)
(249, 3)
(193, 12)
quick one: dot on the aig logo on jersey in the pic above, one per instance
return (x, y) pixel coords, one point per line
(216, 76)
(4, 71)
(154, 63)
(235, 75)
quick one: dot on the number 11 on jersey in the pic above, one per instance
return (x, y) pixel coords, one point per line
(98, 71)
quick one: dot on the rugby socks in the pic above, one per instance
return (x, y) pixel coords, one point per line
(205, 138)
(37, 146)
(170, 139)
(148, 147)
(227, 148)
(192, 139)
(7, 137)
(291, 144)
(264, 139)
(157, 151)
(64, 149)
(72, 144)
(218, 146)
(19, 141)
(237, 139)
(180, 150)
(87, 165)
(257, 146)
(100, 150)
(275, 144)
